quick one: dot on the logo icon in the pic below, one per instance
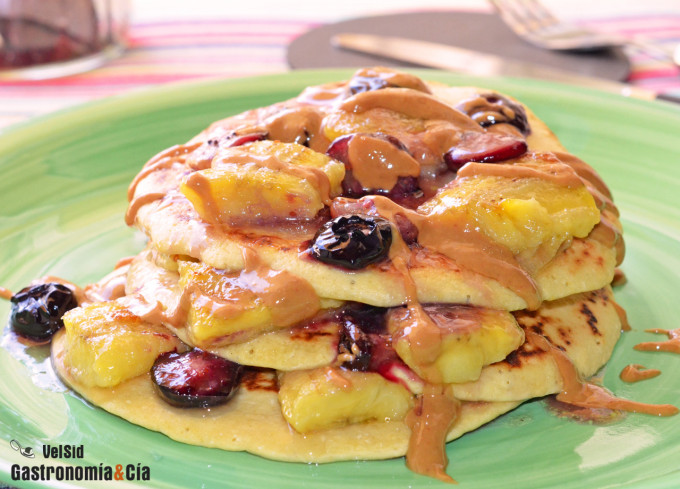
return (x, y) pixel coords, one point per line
(26, 452)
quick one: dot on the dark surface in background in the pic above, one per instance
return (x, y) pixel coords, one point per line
(477, 31)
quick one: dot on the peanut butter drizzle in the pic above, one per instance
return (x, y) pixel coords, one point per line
(526, 167)
(567, 171)
(601, 201)
(5, 293)
(411, 103)
(377, 164)
(290, 298)
(138, 202)
(473, 250)
(435, 412)
(317, 178)
(468, 247)
(123, 262)
(483, 110)
(586, 172)
(636, 373)
(109, 288)
(162, 160)
(619, 278)
(584, 394)
(672, 344)
(415, 325)
(174, 155)
(623, 317)
(324, 95)
(300, 125)
(436, 409)
(394, 78)
(78, 292)
(200, 184)
(608, 233)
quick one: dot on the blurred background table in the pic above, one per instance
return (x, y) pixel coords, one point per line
(174, 40)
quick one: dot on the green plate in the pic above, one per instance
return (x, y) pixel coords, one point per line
(63, 197)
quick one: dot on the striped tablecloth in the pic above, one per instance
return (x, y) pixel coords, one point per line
(171, 50)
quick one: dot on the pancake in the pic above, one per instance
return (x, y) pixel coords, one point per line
(585, 325)
(174, 227)
(254, 415)
(586, 264)
(365, 271)
(576, 323)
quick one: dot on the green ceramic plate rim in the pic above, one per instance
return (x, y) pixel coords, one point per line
(180, 94)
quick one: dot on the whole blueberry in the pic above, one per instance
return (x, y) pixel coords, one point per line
(37, 310)
(353, 241)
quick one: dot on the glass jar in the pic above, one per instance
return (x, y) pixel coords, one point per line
(51, 38)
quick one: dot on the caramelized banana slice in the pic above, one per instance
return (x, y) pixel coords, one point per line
(537, 206)
(231, 307)
(451, 343)
(265, 181)
(107, 344)
(327, 397)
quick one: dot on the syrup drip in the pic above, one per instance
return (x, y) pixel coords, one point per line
(5, 293)
(623, 317)
(671, 345)
(435, 413)
(436, 409)
(636, 373)
(584, 394)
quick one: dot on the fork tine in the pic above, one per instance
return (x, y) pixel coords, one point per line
(514, 18)
(531, 20)
(519, 15)
(539, 14)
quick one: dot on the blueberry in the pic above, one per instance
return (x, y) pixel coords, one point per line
(357, 345)
(353, 241)
(195, 378)
(376, 79)
(364, 337)
(37, 310)
(359, 84)
(497, 109)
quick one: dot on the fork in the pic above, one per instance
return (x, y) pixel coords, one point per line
(532, 21)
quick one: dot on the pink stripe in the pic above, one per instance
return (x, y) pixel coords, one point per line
(120, 79)
(659, 73)
(255, 31)
(640, 18)
(208, 60)
(245, 28)
(210, 38)
(253, 21)
(652, 33)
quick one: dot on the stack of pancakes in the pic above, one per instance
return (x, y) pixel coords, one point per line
(496, 234)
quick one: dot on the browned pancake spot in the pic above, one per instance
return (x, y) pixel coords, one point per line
(522, 355)
(259, 379)
(313, 330)
(590, 318)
